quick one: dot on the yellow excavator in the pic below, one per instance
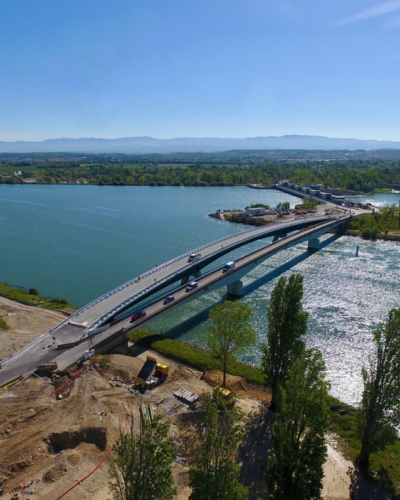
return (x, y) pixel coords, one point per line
(224, 395)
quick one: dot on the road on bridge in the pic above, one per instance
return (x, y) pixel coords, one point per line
(46, 351)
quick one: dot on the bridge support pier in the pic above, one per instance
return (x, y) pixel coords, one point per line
(276, 237)
(186, 279)
(235, 289)
(313, 244)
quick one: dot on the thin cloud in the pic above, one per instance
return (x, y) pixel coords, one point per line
(378, 10)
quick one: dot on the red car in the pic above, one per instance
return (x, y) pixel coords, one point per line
(138, 314)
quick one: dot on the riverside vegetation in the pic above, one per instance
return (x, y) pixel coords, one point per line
(304, 410)
(384, 224)
(32, 297)
(361, 175)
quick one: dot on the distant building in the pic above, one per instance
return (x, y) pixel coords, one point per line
(256, 211)
(17, 173)
(305, 189)
(325, 196)
(30, 180)
(314, 192)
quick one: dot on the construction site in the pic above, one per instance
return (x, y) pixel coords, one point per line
(57, 432)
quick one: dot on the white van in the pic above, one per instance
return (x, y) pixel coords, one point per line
(228, 266)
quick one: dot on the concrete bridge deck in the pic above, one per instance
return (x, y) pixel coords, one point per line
(101, 311)
(42, 350)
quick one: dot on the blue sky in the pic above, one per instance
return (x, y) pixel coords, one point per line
(199, 68)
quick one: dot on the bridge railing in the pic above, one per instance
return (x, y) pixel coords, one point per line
(132, 299)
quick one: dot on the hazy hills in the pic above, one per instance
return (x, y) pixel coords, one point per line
(143, 145)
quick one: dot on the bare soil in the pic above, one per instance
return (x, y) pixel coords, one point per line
(26, 322)
(50, 444)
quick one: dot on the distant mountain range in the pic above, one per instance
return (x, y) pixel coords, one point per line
(143, 145)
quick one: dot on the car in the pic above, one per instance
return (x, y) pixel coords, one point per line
(191, 286)
(228, 266)
(169, 299)
(194, 256)
(140, 313)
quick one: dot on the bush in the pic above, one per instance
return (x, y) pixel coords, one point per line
(33, 291)
(4, 325)
(374, 232)
(193, 356)
(57, 300)
(366, 234)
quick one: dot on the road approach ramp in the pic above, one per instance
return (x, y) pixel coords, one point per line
(26, 360)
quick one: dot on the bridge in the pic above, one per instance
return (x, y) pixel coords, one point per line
(93, 325)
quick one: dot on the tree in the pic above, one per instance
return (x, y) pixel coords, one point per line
(295, 473)
(142, 467)
(380, 404)
(310, 202)
(33, 291)
(285, 205)
(287, 323)
(214, 474)
(231, 332)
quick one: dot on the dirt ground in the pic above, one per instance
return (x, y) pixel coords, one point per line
(26, 322)
(60, 441)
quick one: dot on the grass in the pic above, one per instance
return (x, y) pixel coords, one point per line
(193, 356)
(28, 299)
(385, 461)
(4, 325)
(384, 225)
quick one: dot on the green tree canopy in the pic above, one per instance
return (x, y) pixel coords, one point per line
(142, 467)
(295, 473)
(230, 332)
(214, 474)
(380, 404)
(287, 323)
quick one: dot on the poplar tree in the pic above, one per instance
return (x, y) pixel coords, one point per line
(142, 467)
(287, 324)
(215, 473)
(295, 472)
(380, 404)
(230, 332)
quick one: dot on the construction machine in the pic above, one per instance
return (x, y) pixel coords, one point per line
(223, 395)
(151, 374)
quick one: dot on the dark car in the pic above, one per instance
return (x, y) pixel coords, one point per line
(191, 286)
(169, 299)
(138, 314)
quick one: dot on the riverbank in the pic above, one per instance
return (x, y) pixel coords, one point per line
(383, 225)
(343, 443)
(31, 298)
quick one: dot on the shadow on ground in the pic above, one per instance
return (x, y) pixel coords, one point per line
(254, 451)
(362, 488)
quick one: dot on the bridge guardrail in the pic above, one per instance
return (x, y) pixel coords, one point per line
(134, 280)
(115, 310)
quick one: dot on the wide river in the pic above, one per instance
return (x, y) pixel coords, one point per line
(78, 242)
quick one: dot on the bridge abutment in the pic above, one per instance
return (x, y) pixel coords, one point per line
(235, 289)
(313, 244)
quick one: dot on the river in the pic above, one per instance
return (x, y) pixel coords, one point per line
(77, 242)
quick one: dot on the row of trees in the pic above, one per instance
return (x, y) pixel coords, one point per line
(142, 467)
(361, 175)
(296, 377)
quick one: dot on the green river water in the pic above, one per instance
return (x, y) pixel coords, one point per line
(78, 242)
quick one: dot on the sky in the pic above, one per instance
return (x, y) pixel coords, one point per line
(199, 68)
